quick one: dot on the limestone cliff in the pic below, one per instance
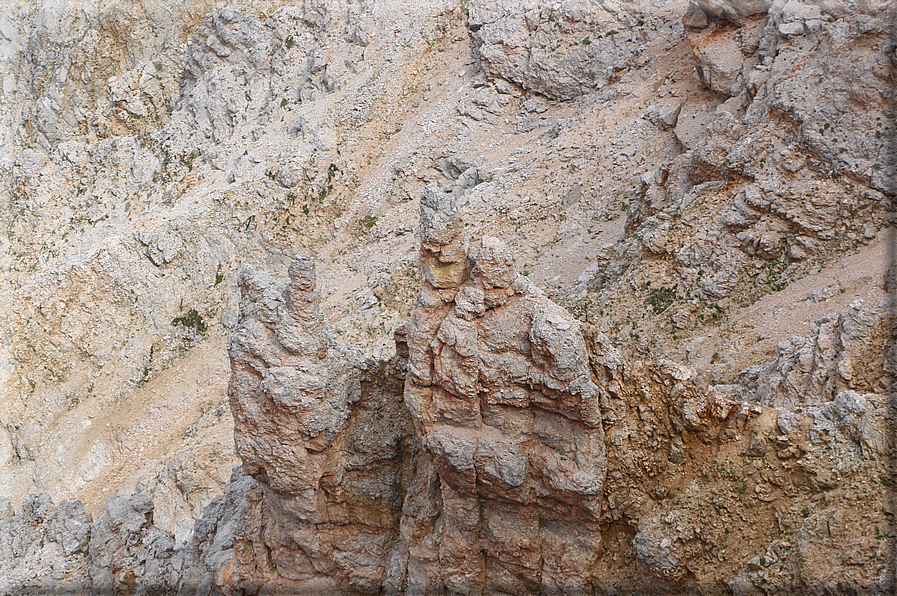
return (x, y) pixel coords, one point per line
(476, 461)
(698, 400)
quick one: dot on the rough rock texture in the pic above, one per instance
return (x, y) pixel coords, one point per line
(843, 351)
(686, 465)
(324, 432)
(515, 490)
(702, 12)
(127, 551)
(504, 495)
(476, 461)
(44, 547)
(725, 55)
(561, 50)
(47, 549)
(777, 180)
(716, 189)
(501, 395)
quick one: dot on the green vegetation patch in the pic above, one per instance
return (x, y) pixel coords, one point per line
(662, 299)
(192, 320)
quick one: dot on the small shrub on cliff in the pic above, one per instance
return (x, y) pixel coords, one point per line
(192, 320)
(662, 299)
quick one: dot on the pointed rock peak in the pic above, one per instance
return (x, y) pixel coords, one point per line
(443, 254)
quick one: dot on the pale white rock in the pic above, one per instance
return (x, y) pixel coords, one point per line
(562, 50)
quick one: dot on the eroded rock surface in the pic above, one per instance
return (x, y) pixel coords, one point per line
(50, 549)
(324, 432)
(847, 350)
(561, 50)
(507, 447)
(501, 394)
(496, 446)
(476, 462)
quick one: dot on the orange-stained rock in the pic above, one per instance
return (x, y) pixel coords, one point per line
(501, 394)
(324, 432)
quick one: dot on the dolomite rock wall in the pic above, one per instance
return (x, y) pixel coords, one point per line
(513, 486)
(759, 137)
(504, 449)
(496, 446)
(324, 432)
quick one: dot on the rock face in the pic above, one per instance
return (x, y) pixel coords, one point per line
(702, 12)
(475, 462)
(508, 484)
(496, 446)
(843, 351)
(324, 432)
(500, 391)
(562, 50)
(48, 549)
(725, 55)
(801, 182)
(710, 185)
(44, 547)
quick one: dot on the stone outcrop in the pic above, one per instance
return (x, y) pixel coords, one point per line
(842, 351)
(512, 486)
(45, 547)
(509, 484)
(501, 394)
(725, 54)
(324, 432)
(50, 549)
(561, 50)
(767, 136)
(496, 446)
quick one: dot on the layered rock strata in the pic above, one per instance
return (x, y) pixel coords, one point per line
(500, 390)
(324, 432)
